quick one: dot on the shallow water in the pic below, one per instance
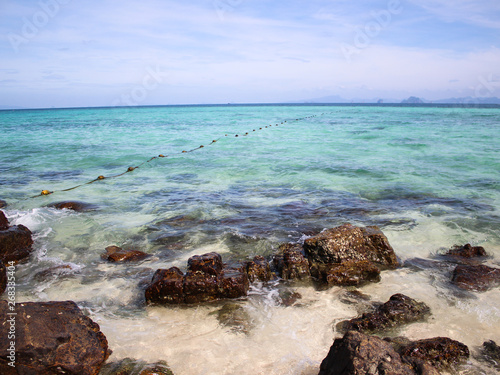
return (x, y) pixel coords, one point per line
(427, 176)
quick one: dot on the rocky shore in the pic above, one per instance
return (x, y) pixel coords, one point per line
(56, 337)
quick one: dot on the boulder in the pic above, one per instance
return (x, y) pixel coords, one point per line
(467, 251)
(51, 338)
(348, 273)
(3, 277)
(258, 269)
(490, 352)
(207, 279)
(357, 353)
(476, 277)
(73, 205)
(398, 311)
(129, 366)
(4, 222)
(351, 243)
(15, 243)
(117, 254)
(291, 263)
(441, 352)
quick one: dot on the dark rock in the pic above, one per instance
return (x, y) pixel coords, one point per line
(15, 243)
(490, 352)
(3, 203)
(398, 311)
(203, 282)
(235, 317)
(3, 278)
(467, 251)
(59, 272)
(424, 264)
(117, 254)
(52, 338)
(259, 269)
(348, 273)
(289, 297)
(129, 366)
(357, 353)
(291, 263)
(4, 222)
(73, 205)
(350, 243)
(440, 352)
(476, 277)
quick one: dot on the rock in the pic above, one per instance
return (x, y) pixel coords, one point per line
(398, 311)
(3, 203)
(467, 251)
(207, 279)
(476, 277)
(15, 243)
(440, 352)
(490, 352)
(129, 366)
(4, 223)
(291, 263)
(357, 354)
(235, 317)
(348, 273)
(117, 254)
(3, 277)
(288, 297)
(259, 269)
(350, 243)
(73, 205)
(51, 338)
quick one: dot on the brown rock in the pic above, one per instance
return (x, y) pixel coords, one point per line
(117, 254)
(200, 287)
(359, 354)
(348, 273)
(73, 205)
(398, 311)
(476, 277)
(129, 366)
(490, 353)
(167, 286)
(259, 269)
(4, 223)
(52, 338)
(15, 243)
(291, 263)
(350, 243)
(210, 263)
(467, 251)
(3, 278)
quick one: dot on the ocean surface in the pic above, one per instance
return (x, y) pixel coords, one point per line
(429, 177)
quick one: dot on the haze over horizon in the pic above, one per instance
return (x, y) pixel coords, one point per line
(64, 53)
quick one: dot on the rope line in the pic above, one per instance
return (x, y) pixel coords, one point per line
(131, 169)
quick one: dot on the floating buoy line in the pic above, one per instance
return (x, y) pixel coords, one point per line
(160, 156)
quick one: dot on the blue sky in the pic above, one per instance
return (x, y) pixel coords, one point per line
(70, 53)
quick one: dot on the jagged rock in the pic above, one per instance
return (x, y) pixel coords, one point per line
(359, 354)
(467, 251)
(259, 269)
(129, 366)
(398, 311)
(3, 277)
(51, 338)
(291, 263)
(234, 316)
(117, 254)
(73, 205)
(15, 243)
(350, 243)
(207, 279)
(476, 277)
(490, 352)
(348, 273)
(4, 222)
(440, 352)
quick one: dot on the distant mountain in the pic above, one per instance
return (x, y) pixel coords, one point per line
(468, 100)
(413, 100)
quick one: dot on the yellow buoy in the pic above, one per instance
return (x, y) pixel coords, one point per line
(46, 192)
(101, 177)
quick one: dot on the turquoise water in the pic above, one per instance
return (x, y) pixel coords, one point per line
(427, 176)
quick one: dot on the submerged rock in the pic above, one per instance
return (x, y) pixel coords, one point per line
(129, 366)
(52, 338)
(235, 317)
(3, 277)
(15, 243)
(467, 251)
(207, 279)
(3, 203)
(398, 311)
(73, 205)
(291, 263)
(476, 277)
(117, 254)
(490, 352)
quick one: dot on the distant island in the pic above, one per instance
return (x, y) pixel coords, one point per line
(469, 100)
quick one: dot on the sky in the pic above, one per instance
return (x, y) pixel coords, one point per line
(71, 53)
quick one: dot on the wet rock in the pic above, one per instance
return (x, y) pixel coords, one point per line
(419, 264)
(15, 243)
(490, 352)
(398, 311)
(357, 353)
(348, 273)
(59, 272)
(3, 203)
(129, 366)
(4, 222)
(351, 243)
(117, 254)
(259, 269)
(440, 352)
(3, 277)
(235, 317)
(73, 205)
(52, 338)
(204, 281)
(467, 251)
(476, 277)
(291, 263)
(289, 297)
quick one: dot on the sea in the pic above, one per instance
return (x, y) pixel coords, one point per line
(240, 180)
